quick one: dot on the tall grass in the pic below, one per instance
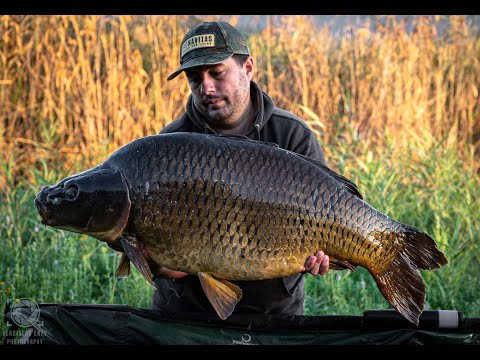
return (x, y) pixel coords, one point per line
(75, 88)
(378, 77)
(397, 112)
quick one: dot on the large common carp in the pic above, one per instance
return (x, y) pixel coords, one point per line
(228, 208)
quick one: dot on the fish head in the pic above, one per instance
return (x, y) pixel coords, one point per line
(95, 202)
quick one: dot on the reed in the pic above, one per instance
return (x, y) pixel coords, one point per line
(75, 88)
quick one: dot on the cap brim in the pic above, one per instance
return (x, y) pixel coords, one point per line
(199, 61)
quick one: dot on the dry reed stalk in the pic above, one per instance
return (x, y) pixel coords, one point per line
(75, 88)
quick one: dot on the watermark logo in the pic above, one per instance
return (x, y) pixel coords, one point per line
(245, 340)
(25, 312)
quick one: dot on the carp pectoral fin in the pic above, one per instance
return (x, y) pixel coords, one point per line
(223, 295)
(124, 267)
(336, 264)
(132, 250)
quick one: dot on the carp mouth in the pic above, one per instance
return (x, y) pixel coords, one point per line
(95, 202)
(42, 209)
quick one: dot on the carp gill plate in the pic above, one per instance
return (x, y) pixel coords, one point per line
(228, 208)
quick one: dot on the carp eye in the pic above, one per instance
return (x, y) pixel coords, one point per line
(71, 193)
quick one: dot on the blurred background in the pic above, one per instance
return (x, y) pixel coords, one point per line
(394, 101)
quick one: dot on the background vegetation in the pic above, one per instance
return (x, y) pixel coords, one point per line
(396, 109)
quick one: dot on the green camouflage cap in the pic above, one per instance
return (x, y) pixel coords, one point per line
(210, 43)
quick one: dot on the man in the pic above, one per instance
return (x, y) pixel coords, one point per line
(216, 60)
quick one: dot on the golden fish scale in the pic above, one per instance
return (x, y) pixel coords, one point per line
(252, 213)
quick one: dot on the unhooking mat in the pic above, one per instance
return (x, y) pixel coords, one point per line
(31, 323)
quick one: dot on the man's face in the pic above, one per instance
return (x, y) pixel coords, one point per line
(221, 92)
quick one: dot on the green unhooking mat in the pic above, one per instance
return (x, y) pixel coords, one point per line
(31, 323)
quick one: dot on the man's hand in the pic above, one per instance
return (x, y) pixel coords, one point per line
(161, 271)
(317, 264)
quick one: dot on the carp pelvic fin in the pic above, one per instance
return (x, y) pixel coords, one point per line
(132, 250)
(223, 295)
(124, 267)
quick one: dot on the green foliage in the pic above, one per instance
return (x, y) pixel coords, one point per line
(428, 186)
(50, 265)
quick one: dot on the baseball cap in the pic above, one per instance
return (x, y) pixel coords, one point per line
(210, 43)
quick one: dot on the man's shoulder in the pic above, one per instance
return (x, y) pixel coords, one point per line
(292, 133)
(178, 125)
(286, 118)
(174, 126)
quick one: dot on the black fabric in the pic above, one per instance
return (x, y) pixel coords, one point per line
(275, 296)
(77, 324)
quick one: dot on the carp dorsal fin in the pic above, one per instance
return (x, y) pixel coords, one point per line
(223, 295)
(349, 185)
(124, 267)
(132, 251)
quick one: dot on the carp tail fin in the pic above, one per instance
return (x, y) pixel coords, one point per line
(401, 282)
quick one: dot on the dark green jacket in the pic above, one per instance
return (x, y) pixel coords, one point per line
(275, 296)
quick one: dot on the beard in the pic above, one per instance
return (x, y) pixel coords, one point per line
(226, 109)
